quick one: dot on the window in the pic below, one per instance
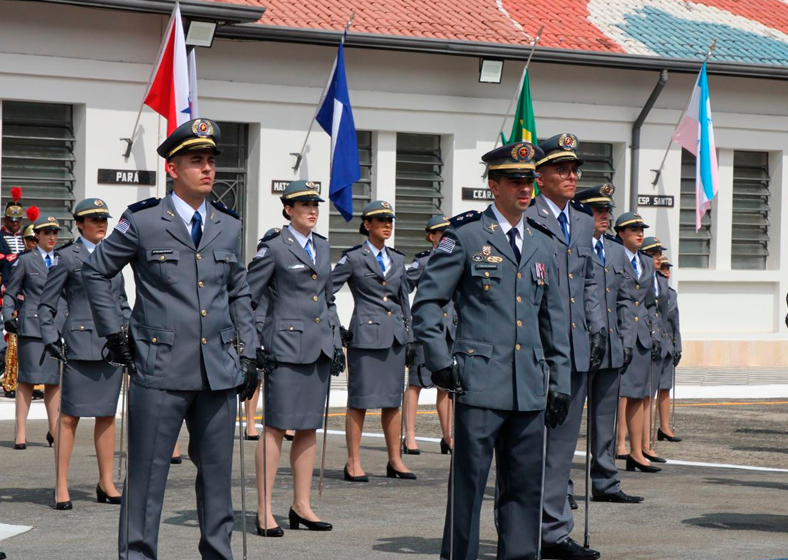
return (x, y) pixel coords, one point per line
(694, 247)
(38, 156)
(344, 234)
(750, 232)
(598, 166)
(419, 183)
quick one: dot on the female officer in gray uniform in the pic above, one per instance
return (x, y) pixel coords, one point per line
(420, 376)
(27, 277)
(90, 385)
(379, 344)
(290, 277)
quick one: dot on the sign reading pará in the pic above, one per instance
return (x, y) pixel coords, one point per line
(126, 177)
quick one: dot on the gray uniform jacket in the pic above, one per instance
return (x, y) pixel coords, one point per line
(82, 341)
(511, 341)
(612, 288)
(415, 272)
(27, 277)
(190, 302)
(674, 329)
(642, 301)
(661, 325)
(381, 308)
(300, 318)
(576, 278)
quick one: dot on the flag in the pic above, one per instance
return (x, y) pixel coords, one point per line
(335, 116)
(194, 111)
(168, 94)
(524, 125)
(695, 133)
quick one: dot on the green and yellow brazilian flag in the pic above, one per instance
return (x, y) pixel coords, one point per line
(524, 126)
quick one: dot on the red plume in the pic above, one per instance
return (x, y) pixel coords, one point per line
(32, 213)
(16, 193)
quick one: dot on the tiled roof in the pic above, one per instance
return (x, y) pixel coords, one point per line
(747, 31)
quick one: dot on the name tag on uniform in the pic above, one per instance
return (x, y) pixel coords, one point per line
(161, 252)
(296, 267)
(369, 274)
(76, 269)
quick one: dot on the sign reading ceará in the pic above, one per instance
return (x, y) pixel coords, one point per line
(476, 194)
(278, 187)
(659, 201)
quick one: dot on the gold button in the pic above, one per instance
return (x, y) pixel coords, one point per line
(317, 319)
(657, 314)
(384, 283)
(388, 313)
(161, 258)
(519, 299)
(606, 270)
(637, 303)
(471, 350)
(291, 328)
(82, 327)
(637, 319)
(445, 315)
(153, 340)
(314, 277)
(609, 310)
(519, 275)
(574, 325)
(385, 298)
(571, 275)
(200, 284)
(611, 331)
(637, 286)
(572, 299)
(569, 251)
(35, 315)
(487, 274)
(370, 322)
(486, 287)
(227, 258)
(204, 313)
(204, 340)
(516, 346)
(607, 290)
(199, 256)
(519, 323)
(314, 298)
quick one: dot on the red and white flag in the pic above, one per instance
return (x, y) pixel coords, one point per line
(168, 94)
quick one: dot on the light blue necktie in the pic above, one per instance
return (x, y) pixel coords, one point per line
(635, 266)
(600, 250)
(380, 262)
(48, 260)
(309, 251)
(196, 229)
(564, 226)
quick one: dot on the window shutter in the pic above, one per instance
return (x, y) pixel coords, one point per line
(694, 247)
(750, 233)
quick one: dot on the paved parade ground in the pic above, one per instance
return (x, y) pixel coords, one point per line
(697, 509)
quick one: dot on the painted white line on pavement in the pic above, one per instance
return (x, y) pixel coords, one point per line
(8, 531)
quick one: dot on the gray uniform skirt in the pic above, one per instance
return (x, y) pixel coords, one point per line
(635, 382)
(90, 389)
(666, 377)
(376, 377)
(295, 395)
(29, 351)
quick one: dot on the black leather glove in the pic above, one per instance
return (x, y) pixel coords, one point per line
(265, 361)
(676, 359)
(346, 336)
(410, 354)
(55, 349)
(338, 363)
(448, 378)
(656, 349)
(557, 409)
(247, 388)
(627, 360)
(598, 342)
(120, 351)
(11, 327)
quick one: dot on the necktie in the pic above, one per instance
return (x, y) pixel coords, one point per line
(380, 262)
(600, 250)
(512, 235)
(196, 229)
(564, 226)
(635, 266)
(309, 250)
(48, 260)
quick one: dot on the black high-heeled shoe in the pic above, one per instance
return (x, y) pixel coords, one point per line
(633, 466)
(20, 446)
(391, 472)
(654, 458)
(103, 498)
(61, 506)
(662, 436)
(176, 460)
(622, 457)
(50, 439)
(289, 437)
(296, 520)
(247, 437)
(350, 478)
(445, 447)
(272, 532)
(407, 451)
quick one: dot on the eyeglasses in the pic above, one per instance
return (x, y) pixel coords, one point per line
(565, 172)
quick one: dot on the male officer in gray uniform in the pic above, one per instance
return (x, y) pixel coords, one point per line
(192, 304)
(572, 230)
(511, 361)
(610, 262)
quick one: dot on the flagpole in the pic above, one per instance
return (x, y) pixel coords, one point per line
(130, 141)
(658, 172)
(300, 155)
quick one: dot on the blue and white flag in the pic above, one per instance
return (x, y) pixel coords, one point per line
(336, 118)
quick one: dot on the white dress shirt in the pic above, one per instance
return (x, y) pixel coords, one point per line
(89, 245)
(506, 226)
(186, 212)
(630, 256)
(383, 253)
(303, 240)
(557, 211)
(44, 255)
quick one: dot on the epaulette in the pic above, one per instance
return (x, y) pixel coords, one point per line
(395, 250)
(142, 204)
(422, 254)
(318, 235)
(69, 244)
(614, 239)
(271, 235)
(222, 208)
(465, 218)
(580, 207)
(539, 227)
(352, 248)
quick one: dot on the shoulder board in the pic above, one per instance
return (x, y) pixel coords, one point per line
(222, 208)
(69, 244)
(614, 239)
(395, 250)
(271, 235)
(352, 248)
(318, 235)
(142, 204)
(580, 207)
(422, 254)
(539, 227)
(465, 218)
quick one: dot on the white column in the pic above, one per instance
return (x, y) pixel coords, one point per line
(722, 214)
(384, 169)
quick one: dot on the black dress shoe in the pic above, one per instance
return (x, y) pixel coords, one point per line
(445, 447)
(50, 439)
(289, 437)
(662, 436)
(20, 446)
(38, 394)
(622, 457)
(2, 556)
(62, 506)
(618, 498)
(247, 437)
(572, 502)
(10, 394)
(568, 549)
(176, 460)
(633, 465)
(296, 521)
(272, 532)
(104, 498)
(351, 478)
(407, 451)
(653, 458)
(391, 472)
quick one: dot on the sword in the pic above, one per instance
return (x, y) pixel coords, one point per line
(651, 384)
(589, 439)
(239, 347)
(402, 424)
(541, 489)
(124, 390)
(59, 418)
(124, 373)
(673, 403)
(452, 464)
(265, 455)
(325, 432)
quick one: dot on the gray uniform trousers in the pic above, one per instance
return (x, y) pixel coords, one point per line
(191, 304)
(578, 286)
